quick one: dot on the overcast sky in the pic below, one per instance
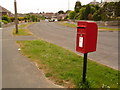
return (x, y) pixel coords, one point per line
(26, 6)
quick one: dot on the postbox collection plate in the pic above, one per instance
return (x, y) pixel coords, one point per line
(81, 42)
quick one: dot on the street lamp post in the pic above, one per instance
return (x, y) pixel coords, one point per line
(16, 18)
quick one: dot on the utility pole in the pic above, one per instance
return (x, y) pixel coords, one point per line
(16, 18)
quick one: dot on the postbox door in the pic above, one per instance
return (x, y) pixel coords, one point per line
(80, 45)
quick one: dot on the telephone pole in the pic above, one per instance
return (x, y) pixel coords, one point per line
(16, 18)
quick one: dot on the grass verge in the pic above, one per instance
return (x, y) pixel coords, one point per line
(68, 24)
(65, 67)
(75, 25)
(23, 30)
(111, 29)
(25, 25)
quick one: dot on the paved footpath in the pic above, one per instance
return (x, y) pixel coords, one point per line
(17, 70)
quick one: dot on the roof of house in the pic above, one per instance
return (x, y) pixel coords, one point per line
(2, 9)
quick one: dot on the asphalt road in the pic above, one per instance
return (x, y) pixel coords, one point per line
(107, 48)
(17, 70)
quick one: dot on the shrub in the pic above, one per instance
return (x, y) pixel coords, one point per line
(5, 22)
(20, 18)
(12, 19)
(6, 18)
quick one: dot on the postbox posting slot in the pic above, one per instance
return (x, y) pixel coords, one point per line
(81, 27)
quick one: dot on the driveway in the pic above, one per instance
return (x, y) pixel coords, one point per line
(107, 48)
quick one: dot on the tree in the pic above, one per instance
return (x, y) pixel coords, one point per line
(77, 6)
(109, 11)
(97, 7)
(81, 13)
(87, 12)
(93, 10)
(68, 11)
(97, 16)
(72, 14)
(61, 12)
(66, 17)
(90, 16)
(117, 9)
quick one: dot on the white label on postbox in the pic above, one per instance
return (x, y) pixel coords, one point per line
(81, 42)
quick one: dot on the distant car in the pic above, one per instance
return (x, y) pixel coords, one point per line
(46, 20)
(56, 20)
(51, 20)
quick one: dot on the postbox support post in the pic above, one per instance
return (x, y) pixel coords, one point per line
(85, 67)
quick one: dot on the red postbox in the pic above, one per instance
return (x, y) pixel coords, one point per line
(86, 37)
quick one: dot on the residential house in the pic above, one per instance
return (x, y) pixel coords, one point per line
(47, 15)
(4, 11)
(54, 16)
(61, 16)
(21, 15)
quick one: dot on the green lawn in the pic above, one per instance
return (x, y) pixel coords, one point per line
(65, 67)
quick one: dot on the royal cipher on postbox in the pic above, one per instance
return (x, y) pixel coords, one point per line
(86, 39)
